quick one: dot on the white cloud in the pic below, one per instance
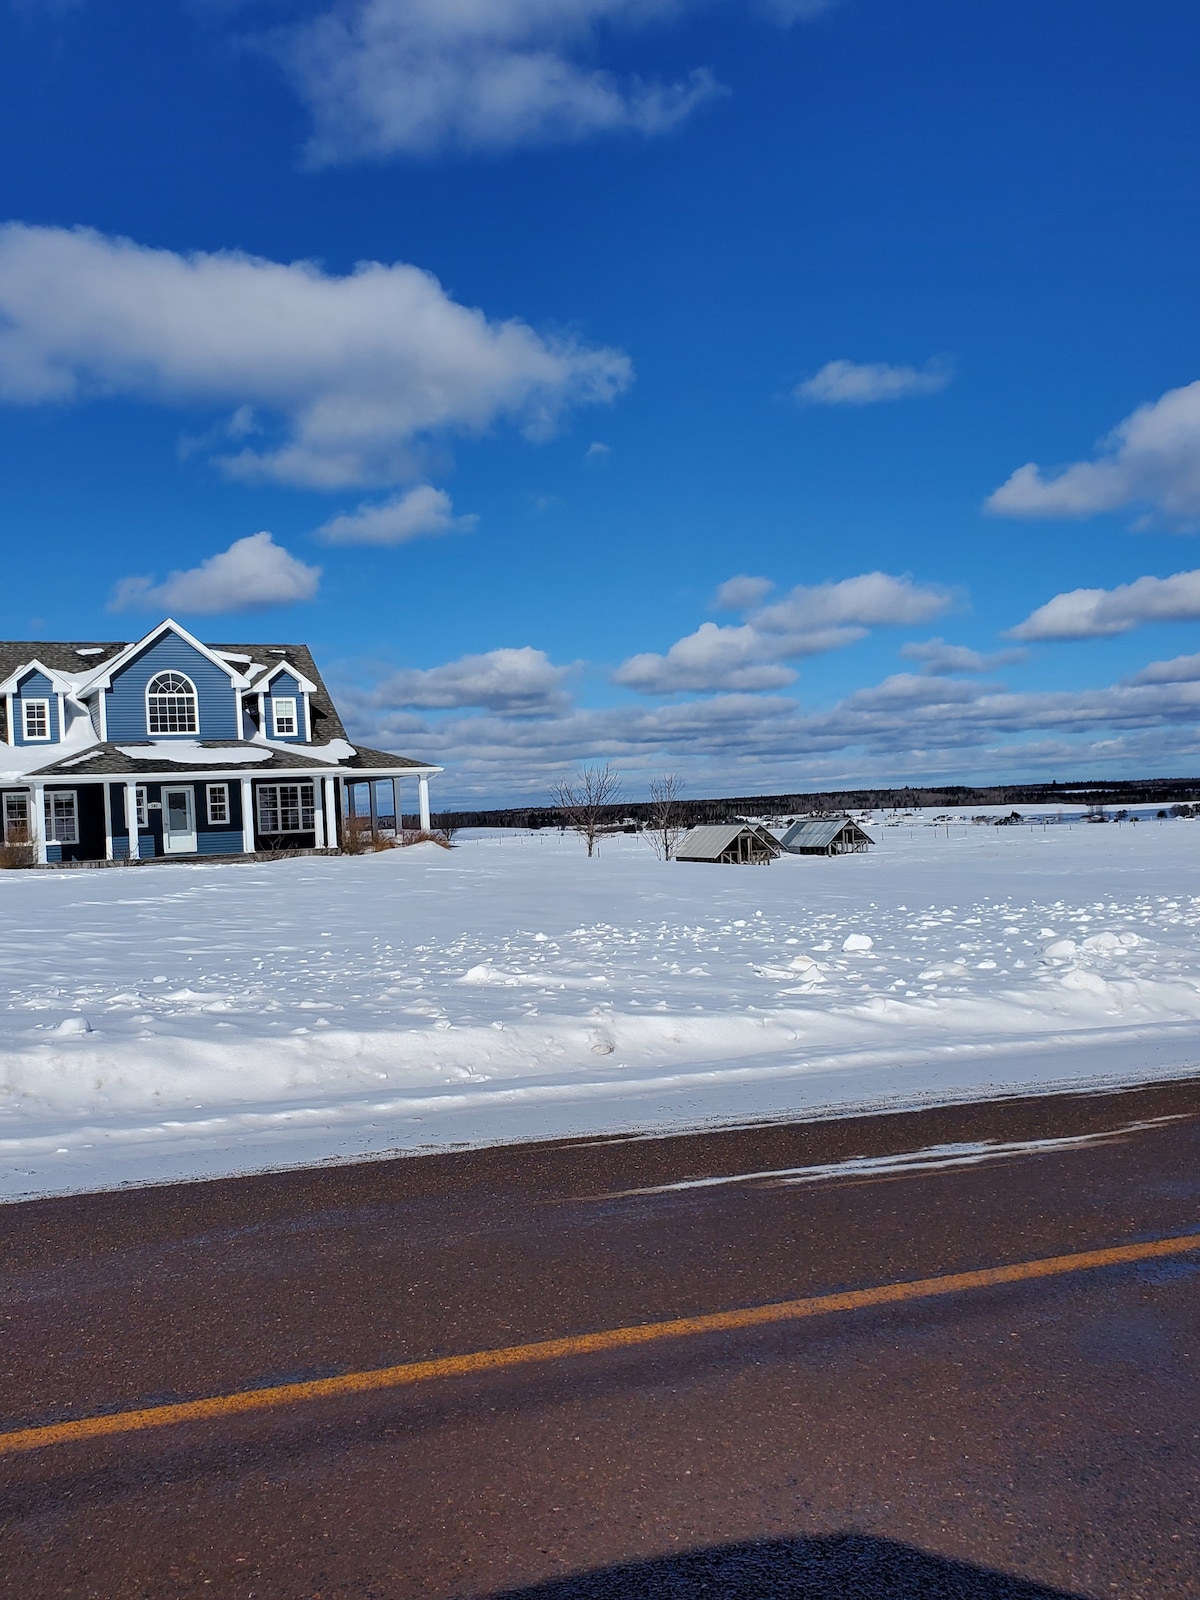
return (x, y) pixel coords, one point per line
(410, 77)
(597, 451)
(252, 574)
(1180, 669)
(850, 383)
(808, 622)
(1100, 613)
(1152, 459)
(711, 658)
(742, 593)
(417, 514)
(353, 373)
(871, 600)
(517, 681)
(911, 727)
(938, 657)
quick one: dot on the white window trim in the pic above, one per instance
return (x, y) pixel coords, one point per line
(11, 801)
(276, 703)
(50, 797)
(221, 789)
(265, 789)
(142, 814)
(180, 733)
(27, 704)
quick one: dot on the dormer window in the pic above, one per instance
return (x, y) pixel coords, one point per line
(283, 710)
(171, 704)
(35, 719)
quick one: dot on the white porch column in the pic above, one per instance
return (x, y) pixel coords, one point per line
(131, 821)
(108, 839)
(247, 816)
(331, 816)
(37, 820)
(423, 801)
(318, 815)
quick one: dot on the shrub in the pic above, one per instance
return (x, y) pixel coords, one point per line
(359, 838)
(18, 850)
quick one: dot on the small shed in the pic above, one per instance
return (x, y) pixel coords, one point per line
(733, 842)
(826, 836)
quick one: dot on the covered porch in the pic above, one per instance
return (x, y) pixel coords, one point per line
(157, 815)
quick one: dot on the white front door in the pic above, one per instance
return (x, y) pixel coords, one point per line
(179, 822)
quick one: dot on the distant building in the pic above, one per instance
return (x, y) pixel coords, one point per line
(826, 836)
(734, 843)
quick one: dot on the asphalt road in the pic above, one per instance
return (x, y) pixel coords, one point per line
(1035, 1439)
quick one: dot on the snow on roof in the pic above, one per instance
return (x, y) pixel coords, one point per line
(189, 753)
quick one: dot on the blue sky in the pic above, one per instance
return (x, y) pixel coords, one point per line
(480, 343)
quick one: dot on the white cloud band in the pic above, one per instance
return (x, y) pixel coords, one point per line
(418, 514)
(1152, 458)
(388, 77)
(850, 383)
(1101, 613)
(809, 621)
(351, 372)
(252, 574)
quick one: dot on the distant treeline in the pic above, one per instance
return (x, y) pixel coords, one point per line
(1135, 791)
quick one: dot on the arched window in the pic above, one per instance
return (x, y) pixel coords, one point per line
(171, 704)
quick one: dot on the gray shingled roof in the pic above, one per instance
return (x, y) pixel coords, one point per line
(110, 760)
(326, 724)
(63, 656)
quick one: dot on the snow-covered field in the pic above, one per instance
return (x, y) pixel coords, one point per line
(164, 1021)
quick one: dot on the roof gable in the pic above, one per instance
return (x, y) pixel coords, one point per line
(61, 684)
(102, 678)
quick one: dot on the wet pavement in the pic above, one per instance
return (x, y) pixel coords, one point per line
(1028, 1440)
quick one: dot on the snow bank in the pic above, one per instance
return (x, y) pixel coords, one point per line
(183, 1020)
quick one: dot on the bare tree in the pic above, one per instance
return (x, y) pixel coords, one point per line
(584, 798)
(665, 826)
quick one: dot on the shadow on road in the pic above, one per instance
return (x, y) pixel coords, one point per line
(843, 1566)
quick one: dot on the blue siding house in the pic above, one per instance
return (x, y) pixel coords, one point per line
(172, 747)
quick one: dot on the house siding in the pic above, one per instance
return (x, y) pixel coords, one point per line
(148, 844)
(215, 843)
(36, 686)
(217, 702)
(224, 838)
(286, 688)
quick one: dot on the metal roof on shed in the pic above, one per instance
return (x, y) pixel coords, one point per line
(818, 834)
(707, 843)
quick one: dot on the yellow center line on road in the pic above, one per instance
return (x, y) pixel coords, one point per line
(410, 1372)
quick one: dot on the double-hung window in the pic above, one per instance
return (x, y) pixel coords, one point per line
(16, 819)
(62, 817)
(286, 808)
(283, 711)
(218, 803)
(141, 806)
(35, 719)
